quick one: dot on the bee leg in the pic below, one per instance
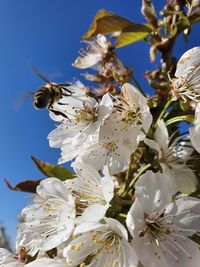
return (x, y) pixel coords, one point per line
(64, 87)
(70, 93)
(64, 84)
(56, 112)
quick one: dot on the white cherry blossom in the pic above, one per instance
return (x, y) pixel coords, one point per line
(121, 132)
(8, 259)
(160, 228)
(131, 112)
(49, 220)
(47, 262)
(85, 116)
(187, 82)
(195, 131)
(112, 150)
(92, 192)
(106, 244)
(95, 52)
(172, 156)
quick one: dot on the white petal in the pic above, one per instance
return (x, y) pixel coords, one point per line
(53, 187)
(188, 59)
(8, 259)
(107, 188)
(94, 213)
(186, 252)
(153, 144)
(130, 258)
(78, 249)
(117, 227)
(49, 221)
(184, 178)
(87, 227)
(102, 41)
(86, 171)
(131, 93)
(105, 107)
(135, 218)
(94, 156)
(47, 262)
(87, 61)
(154, 191)
(161, 135)
(187, 213)
(150, 255)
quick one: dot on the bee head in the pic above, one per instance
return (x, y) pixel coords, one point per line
(41, 98)
(40, 102)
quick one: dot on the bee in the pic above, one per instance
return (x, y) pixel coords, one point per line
(49, 93)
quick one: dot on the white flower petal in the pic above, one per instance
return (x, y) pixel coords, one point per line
(135, 218)
(106, 245)
(94, 213)
(161, 135)
(8, 259)
(147, 185)
(153, 144)
(188, 213)
(188, 59)
(50, 220)
(47, 262)
(105, 107)
(160, 235)
(184, 179)
(195, 132)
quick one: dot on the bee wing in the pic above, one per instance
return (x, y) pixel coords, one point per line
(40, 74)
(22, 99)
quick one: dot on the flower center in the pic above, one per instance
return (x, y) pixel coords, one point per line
(85, 194)
(155, 227)
(111, 146)
(102, 244)
(160, 230)
(86, 114)
(176, 153)
(131, 117)
(188, 85)
(130, 114)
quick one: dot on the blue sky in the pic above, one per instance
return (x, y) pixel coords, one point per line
(47, 34)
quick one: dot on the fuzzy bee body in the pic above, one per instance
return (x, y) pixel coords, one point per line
(49, 93)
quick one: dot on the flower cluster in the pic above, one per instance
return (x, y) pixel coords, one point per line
(131, 201)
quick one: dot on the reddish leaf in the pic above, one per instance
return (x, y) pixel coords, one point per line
(25, 186)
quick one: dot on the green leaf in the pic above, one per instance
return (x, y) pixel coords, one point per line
(129, 36)
(106, 22)
(53, 170)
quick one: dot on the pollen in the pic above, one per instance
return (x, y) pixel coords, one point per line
(86, 114)
(69, 261)
(77, 247)
(131, 116)
(111, 146)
